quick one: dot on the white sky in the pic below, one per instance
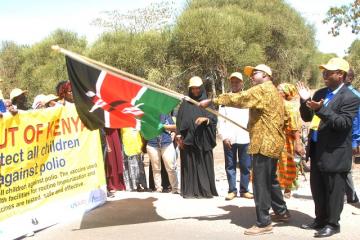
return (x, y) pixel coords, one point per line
(27, 22)
(314, 11)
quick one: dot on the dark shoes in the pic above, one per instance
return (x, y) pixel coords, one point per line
(327, 231)
(140, 188)
(312, 226)
(281, 217)
(110, 194)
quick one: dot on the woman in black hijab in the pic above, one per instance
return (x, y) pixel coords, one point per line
(196, 136)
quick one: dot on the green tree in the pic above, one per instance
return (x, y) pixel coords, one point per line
(346, 15)
(145, 54)
(316, 80)
(138, 42)
(11, 59)
(43, 68)
(354, 60)
(225, 35)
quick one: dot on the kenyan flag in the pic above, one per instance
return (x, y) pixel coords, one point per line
(105, 100)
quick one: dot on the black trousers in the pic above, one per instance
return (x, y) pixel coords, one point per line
(328, 191)
(267, 191)
(351, 195)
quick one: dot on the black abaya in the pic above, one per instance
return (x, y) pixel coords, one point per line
(197, 162)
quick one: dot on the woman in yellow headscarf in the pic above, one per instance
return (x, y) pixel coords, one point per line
(287, 170)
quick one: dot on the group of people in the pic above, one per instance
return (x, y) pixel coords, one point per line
(264, 143)
(124, 160)
(275, 138)
(18, 101)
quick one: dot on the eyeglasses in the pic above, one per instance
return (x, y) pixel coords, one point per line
(254, 73)
(330, 72)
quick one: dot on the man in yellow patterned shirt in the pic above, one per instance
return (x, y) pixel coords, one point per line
(266, 143)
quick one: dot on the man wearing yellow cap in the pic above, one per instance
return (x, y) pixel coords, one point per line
(266, 122)
(331, 110)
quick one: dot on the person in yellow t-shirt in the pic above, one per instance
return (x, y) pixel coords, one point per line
(134, 171)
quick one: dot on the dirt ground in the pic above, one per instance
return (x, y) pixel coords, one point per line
(156, 216)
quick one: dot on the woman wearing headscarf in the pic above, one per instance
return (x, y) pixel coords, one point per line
(287, 167)
(196, 137)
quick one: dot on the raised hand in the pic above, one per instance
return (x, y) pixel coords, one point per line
(315, 105)
(13, 110)
(304, 91)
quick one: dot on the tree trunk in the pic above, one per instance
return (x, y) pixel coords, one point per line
(222, 85)
(213, 81)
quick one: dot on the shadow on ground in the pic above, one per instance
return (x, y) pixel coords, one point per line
(122, 212)
(135, 211)
(245, 217)
(296, 195)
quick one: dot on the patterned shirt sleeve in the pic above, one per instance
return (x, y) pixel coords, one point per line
(251, 98)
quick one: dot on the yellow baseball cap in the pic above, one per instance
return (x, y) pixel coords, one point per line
(236, 75)
(195, 82)
(16, 92)
(336, 64)
(261, 67)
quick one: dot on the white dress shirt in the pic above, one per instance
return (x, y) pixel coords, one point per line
(228, 130)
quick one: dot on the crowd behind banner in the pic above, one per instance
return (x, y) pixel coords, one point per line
(270, 155)
(43, 180)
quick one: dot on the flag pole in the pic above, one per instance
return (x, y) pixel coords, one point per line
(135, 79)
(103, 66)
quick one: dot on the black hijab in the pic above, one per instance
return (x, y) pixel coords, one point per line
(201, 136)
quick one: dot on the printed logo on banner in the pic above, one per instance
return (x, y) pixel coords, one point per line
(97, 196)
(48, 158)
(77, 204)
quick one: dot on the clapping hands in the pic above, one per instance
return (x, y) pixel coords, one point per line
(304, 91)
(305, 95)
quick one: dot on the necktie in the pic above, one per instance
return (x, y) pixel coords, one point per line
(328, 97)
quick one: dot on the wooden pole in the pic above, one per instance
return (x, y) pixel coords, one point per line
(103, 66)
(138, 80)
